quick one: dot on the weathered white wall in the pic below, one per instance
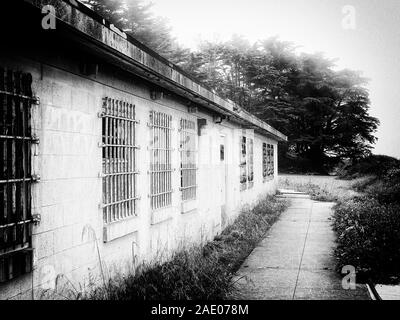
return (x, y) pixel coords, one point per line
(68, 242)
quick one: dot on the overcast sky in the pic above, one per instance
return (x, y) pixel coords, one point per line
(373, 46)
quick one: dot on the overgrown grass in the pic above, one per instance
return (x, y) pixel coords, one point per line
(368, 226)
(320, 188)
(200, 272)
(369, 238)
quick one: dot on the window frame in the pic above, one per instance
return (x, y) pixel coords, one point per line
(250, 161)
(16, 175)
(119, 153)
(243, 163)
(264, 161)
(271, 161)
(188, 174)
(160, 173)
(246, 177)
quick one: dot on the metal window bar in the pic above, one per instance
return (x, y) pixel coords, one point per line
(16, 139)
(250, 177)
(243, 163)
(264, 160)
(119, 160)
(270, 160)
(160, 160)
(188, 159)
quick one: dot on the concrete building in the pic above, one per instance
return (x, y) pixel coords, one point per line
(110, 154)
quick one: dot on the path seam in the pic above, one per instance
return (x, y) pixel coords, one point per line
(304, 248)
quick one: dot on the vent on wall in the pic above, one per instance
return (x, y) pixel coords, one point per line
(156, 94)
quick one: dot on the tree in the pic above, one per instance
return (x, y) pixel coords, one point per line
(136, 19)
(323, 112)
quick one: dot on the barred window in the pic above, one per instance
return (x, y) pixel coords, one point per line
(16, 178)
(188, 159)
(246, 163)
(243, 163)
(270, 160)
(250, 176)
(264, 161)
(119, 160)
(160, 160)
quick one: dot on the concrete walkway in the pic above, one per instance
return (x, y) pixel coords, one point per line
(295, 260)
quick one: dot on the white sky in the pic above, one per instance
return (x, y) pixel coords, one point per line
(373, 46)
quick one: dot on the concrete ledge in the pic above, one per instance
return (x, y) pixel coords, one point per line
(119, 229)
(189, 206)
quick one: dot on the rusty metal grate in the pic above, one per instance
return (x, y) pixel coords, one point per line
(119, 160)
(160, 160)
(16, 178)
(187, 130)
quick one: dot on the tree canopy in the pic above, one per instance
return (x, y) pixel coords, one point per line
(324, 112)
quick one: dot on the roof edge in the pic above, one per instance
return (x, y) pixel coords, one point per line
(88, 22)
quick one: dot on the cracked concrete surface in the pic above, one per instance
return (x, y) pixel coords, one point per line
(295, 260)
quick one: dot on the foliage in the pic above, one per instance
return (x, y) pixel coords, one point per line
(368, 227)
(136, 18)
(377, 165)
(323, 112)
(368, 238)
(198, 272)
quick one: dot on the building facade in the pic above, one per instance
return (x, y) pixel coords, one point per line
(110, 155)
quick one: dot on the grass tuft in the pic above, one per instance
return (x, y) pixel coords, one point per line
(200, 272)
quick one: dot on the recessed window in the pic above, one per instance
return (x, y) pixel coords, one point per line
(119, 160)
(160, 160)
(264, 161)
(250, 176)
(268, 161)
(246, 163)
(271, 160)
(243, 163)
(15, 174)
(188, 154)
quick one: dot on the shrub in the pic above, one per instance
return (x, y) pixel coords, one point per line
(368, 238)
(377, 165)
(385, 188)
(384, 192)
